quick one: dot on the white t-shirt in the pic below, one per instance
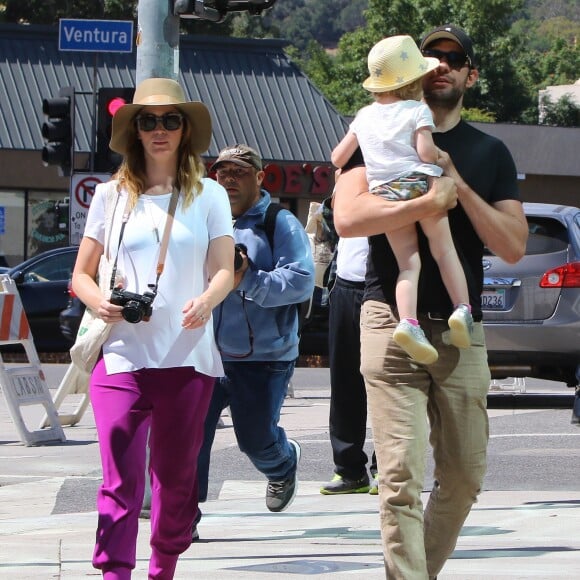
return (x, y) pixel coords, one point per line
(351, 259)
(386, 135)
(162, 342)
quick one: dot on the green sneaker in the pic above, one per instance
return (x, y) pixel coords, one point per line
(374, 490)
(413, 341)
(340, 485)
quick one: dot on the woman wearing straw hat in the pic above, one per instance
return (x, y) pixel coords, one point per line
(171, 244)
(394, 134)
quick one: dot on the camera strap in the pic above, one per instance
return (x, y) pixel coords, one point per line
(166, 234)
(164, 239)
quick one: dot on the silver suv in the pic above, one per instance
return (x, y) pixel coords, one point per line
(531, 310)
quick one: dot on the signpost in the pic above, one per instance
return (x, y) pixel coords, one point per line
(82, 190)
(90, 36)
(95, 35)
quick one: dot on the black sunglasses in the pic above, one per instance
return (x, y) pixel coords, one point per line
(454, 58)
(170, 121)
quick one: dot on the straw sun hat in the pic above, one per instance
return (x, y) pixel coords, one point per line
(395, 62)
(152, 92)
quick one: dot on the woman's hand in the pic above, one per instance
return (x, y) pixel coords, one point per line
(196, 313)
(108, 312)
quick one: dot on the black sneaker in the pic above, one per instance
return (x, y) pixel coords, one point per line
(341, 485)
(280, 494)
(194, 532)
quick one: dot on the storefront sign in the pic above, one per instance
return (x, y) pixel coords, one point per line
(297, 180)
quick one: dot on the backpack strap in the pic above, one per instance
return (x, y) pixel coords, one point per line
(270, 216)
(304, 308)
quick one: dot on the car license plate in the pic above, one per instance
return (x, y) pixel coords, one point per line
(493, 299)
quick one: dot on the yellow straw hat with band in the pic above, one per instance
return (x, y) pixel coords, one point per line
(395, 62)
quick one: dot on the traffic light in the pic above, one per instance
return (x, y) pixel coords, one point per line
(109, 101)
(59, 131)
(216, 10)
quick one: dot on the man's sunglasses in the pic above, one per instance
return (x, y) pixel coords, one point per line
(170, 121)
(236, 173)
(454, 58)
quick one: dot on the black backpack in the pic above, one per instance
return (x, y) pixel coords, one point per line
(304, 308)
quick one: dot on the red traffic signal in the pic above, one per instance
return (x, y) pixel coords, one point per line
(110, 100)
(115, 104)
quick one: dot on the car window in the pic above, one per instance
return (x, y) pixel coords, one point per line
(52, 269)
(546, 236)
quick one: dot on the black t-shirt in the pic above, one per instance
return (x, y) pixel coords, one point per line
(487, 167)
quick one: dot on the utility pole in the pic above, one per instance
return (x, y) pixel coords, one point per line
(157, 41)
(157, 57)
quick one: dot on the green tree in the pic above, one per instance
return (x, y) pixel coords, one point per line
(488, 23)
(49, 12)
(563, 113)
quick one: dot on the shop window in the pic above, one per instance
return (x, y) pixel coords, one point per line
(11, 228)
(48, 222)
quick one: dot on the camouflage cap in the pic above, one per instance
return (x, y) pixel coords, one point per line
(241, 155)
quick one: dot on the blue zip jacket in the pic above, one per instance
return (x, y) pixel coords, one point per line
(264, 304)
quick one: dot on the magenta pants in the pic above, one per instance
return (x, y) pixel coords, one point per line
(168, 406)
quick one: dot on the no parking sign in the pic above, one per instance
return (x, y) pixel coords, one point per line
(82, 191)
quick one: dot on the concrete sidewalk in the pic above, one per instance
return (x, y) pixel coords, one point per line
(515, 535)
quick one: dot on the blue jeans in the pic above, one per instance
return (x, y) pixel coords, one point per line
(255, 393)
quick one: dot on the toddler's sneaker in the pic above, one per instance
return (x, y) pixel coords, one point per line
(412, 340)
(461, 327)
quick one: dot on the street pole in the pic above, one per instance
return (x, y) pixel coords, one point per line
(157, 57)
(157, 41)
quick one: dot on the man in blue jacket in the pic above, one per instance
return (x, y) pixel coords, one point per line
(256, 327)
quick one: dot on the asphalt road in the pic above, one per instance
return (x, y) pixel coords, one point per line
(529, 449)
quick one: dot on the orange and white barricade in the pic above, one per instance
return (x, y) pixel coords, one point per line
(24, 385)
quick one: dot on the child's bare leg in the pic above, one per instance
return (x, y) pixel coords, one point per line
(443, 250)
(408, 334)
(405, 246)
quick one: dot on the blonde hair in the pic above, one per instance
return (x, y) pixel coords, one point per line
(132, 173)
(411, 92)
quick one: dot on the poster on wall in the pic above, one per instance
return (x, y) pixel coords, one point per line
(48, 225)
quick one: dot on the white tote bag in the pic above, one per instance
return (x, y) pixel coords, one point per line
(93, 331)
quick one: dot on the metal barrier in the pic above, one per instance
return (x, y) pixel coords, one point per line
(511, 385)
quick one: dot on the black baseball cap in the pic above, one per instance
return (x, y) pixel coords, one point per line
(451, 32)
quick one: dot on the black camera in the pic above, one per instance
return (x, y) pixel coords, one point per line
(136, 307)
(238, 258)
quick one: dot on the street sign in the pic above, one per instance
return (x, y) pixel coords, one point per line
(95, 35)
(82, 190)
